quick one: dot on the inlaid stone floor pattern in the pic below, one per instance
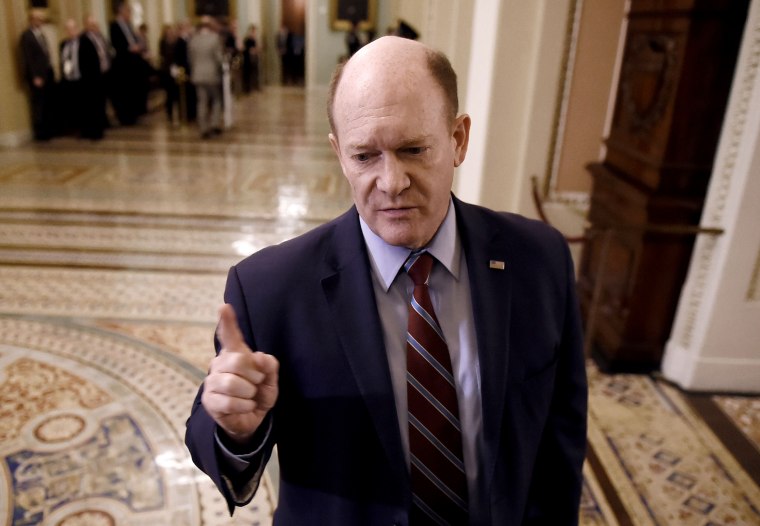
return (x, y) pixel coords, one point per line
(113, 257)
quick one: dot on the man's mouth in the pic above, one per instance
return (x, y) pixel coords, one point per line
(397, 210)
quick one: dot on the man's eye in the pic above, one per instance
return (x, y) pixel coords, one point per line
(415, 150)
(361, 157)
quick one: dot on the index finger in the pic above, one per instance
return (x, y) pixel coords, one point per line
(228, 330)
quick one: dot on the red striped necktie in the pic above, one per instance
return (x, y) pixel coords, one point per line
(439, 484)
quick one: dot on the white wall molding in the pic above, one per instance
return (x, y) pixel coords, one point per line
(15, 138)
(753, 290)
(512, 85)
(713, 344)
(566, 83)
(469, 182)
(579, 201)
(710, 374)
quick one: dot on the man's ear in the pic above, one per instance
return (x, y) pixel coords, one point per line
(334, 144)
(461, 137)
(336, 149)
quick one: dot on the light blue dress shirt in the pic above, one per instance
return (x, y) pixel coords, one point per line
(449, 289)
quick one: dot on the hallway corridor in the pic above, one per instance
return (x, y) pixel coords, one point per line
(113, 258)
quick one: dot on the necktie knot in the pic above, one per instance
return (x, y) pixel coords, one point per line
(418, 266)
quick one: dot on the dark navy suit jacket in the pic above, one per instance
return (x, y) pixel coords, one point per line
(310, 303)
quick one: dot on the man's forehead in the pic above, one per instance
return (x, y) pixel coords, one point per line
(369, 77)
(385, 59)
(377, 85)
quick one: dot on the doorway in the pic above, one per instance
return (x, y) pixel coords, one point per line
(292, 44)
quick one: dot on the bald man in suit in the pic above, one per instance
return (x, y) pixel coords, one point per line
(39, 75)
(315, 344)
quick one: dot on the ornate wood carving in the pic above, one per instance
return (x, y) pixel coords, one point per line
(647, 81)
(676, 75)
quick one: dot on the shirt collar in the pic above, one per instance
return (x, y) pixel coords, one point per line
(386, 260)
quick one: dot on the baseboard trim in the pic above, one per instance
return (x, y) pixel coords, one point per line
(14, 139)
(707, 374)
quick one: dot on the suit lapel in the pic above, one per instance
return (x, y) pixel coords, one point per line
(348, 289)
(491, 302)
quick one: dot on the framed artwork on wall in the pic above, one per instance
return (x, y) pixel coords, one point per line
(344, 12)
(219, 9)
(215, 8)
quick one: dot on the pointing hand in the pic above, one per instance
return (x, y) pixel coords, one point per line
(241, 386)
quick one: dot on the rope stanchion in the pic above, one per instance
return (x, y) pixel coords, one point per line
(606, 233)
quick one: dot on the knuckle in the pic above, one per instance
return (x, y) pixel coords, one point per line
(227, 405)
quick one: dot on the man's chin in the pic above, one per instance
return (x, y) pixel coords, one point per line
(399, 236)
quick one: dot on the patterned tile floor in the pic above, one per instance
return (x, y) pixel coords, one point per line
(113, 257)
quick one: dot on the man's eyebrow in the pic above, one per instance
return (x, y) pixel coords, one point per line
(413, 141)
(359, 146)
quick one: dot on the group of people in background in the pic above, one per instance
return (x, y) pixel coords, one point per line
(93, 70)
(79, 99)
(120, 69)
(191, 65)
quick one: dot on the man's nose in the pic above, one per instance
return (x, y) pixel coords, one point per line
(393, 180)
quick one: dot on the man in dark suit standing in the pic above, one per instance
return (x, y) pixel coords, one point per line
(129, 73)
(182, 60)
(69, 97)
(94, 65)
(38, 72)
(417, 360)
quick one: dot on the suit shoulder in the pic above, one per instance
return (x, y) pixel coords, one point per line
(26, 37)
(518, 228)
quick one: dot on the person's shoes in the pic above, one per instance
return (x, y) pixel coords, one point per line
(206, 135)
(216, 131)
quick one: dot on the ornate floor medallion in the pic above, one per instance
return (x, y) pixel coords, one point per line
(61, 428)
(93, 432)
(88, 518)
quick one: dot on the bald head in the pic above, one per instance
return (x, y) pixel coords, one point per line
(91, 23)
(394, 61)
(71, 27)
(36, 17)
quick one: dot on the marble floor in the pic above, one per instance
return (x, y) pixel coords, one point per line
(113, 257)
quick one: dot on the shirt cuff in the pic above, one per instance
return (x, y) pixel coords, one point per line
(239, 462)
(242, 493)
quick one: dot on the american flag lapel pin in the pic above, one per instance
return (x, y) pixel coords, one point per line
(495, 264)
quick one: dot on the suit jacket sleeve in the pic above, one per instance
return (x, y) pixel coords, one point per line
(119, 40)
(238, 488)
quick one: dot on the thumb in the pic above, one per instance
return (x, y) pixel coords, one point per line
(228, 330)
